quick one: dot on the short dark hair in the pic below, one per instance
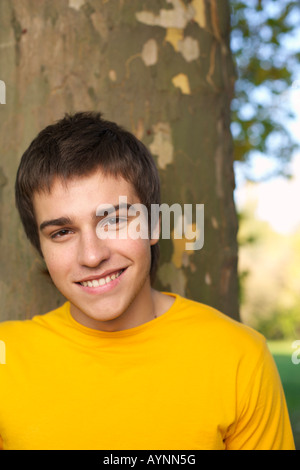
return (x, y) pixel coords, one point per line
(78, 145)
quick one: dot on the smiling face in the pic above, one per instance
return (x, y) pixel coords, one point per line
(106, 280)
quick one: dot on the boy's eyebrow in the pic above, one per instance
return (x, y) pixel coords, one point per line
(55, 222)
(61, 221)
(109, 209)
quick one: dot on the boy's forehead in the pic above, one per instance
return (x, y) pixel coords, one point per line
(97, 186)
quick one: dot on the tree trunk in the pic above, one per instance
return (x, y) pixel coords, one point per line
(162, 69)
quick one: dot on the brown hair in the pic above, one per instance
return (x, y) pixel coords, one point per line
(78, 145)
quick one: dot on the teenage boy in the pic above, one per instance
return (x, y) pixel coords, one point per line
(121, 365)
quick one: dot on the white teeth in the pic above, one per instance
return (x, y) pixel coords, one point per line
(102, 281)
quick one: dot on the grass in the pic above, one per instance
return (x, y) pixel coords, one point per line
(289, 372)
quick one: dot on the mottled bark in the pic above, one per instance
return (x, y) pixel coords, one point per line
(161, 68)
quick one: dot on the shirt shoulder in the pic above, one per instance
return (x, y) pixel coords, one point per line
(16, 330)
(230, 348)
(218, 329)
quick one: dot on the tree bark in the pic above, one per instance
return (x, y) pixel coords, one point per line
(162, 69)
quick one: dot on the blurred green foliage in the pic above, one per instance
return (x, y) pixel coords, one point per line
(269, 276)
(265, 44)
(290, 377)
(282, 324)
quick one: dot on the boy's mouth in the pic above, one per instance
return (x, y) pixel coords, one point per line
(102, 280)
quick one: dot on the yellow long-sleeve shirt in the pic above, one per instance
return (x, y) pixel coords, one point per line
(189, 379)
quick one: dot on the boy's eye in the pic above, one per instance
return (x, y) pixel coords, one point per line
(60, 233)
(112, 220)
(115, 220)
(112, 223)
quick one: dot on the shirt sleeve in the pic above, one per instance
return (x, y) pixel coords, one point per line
(262, 417)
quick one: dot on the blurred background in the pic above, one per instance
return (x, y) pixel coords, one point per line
(212, 87)
(265, 42)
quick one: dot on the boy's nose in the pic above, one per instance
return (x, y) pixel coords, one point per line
(92, 251)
